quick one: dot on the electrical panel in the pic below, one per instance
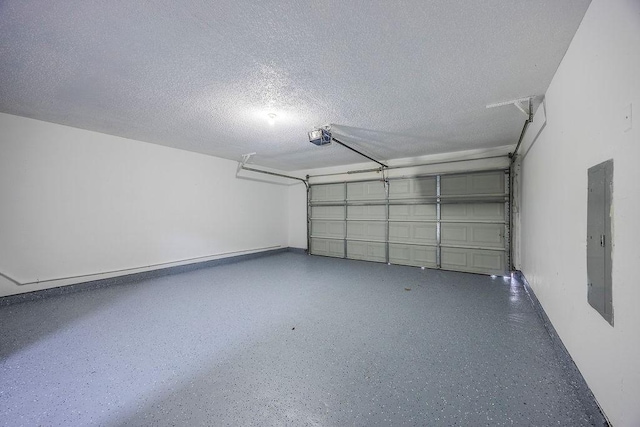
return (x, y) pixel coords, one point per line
(599, 239)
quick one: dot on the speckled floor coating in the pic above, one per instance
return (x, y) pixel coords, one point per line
(287, 339)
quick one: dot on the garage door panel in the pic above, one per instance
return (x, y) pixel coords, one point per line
(473, 212)
(327, 212)
(333, 229)
(412, 188)
(464, 229)
(367, 230)
(334, 248)
(378, 212)
(488, 235)
(419, 256)
(473, 260)
(413, 212)
(327, 192)
(489, 182)
(476, 235)
(413, 232)
(473, 183)
(369, 251)
(370, 190)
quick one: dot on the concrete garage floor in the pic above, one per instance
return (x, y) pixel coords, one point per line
(287, 339)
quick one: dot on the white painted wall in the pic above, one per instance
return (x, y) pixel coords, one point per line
(297, 216)
(75, 202)
(597, 79)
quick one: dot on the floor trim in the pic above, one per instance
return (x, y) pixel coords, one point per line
(584, 393)
(135, 277)
(298, 251)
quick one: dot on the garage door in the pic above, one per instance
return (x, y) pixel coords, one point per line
(451, 221)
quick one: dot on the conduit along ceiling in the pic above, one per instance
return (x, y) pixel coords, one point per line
(396, 79)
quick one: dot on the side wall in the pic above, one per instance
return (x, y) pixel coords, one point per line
(76, 202)
(585, 108)
(298, 216)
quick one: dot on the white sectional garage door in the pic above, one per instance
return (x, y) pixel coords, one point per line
(451, 221)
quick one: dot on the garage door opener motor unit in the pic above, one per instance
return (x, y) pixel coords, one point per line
(323, 136)
(320, 136)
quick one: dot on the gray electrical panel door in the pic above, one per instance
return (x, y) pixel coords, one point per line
(599, 239)
(454, 221)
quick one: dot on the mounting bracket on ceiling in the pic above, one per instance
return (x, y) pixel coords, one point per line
(247, 157)
(527, 109)
(245, 160)
(323, 136)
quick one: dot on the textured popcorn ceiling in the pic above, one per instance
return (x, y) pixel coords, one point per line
(398, 79)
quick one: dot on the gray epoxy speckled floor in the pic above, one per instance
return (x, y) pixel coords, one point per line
(286, 339)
